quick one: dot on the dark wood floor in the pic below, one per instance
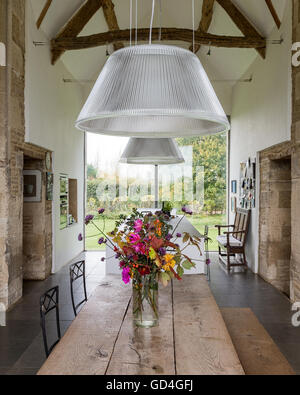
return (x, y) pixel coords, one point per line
(21, 345)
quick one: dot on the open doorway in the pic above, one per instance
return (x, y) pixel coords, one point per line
(37, 222)
(275, 222)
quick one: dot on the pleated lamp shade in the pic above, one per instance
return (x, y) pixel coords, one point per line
(153, 91)
(144, 151)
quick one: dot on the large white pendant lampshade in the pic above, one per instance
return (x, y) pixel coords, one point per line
(144, 151)
(153, 91)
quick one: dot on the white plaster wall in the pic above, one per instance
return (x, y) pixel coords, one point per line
(51, 108)
(261, 113)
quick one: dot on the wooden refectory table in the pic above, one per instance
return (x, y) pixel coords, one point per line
(191, 337)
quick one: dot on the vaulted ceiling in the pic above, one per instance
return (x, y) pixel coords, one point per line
(222, 63)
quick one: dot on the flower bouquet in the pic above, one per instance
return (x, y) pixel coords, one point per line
(147, 250)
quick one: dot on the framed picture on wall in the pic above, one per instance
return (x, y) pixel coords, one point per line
(233, 186)
(49, 186)
(32, 185)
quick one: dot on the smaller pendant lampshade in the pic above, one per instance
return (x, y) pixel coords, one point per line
(144, 151)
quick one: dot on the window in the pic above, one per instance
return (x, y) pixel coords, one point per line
(200, 182)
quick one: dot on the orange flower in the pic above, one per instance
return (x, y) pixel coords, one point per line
(169, 262)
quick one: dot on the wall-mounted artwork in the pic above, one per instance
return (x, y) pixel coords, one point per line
(32, 185)
(233, 186)
(247, 184)
(49, 186)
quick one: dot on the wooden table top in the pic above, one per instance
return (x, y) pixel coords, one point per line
(191, 337)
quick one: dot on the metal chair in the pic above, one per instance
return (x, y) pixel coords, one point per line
(77, 270)
(207, 260)
(48, 302)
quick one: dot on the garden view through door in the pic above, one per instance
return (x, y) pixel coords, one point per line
(200, 182)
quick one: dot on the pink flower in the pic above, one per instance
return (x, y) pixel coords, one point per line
(140, 247)
(138, 225)
(126, 275)
(134, 238)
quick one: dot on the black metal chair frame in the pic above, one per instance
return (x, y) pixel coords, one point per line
(77, 270)
(206, 240)
(48, 302)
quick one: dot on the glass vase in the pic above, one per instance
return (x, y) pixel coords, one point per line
(145, 301)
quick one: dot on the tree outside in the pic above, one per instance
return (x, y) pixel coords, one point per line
(204, 187)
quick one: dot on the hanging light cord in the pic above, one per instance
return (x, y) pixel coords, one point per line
(160, 20)
(151, 23)
(130, 24)
(136, 22)
(193, 12)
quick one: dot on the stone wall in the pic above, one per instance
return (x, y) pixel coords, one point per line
(274, 267)
(11, 156)
(275, 216)
(37, 227)
(12, 148)
(295, 257)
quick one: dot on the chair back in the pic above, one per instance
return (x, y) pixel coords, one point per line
(77, 271)
(49, 301)
(206, 229)
(241, 223)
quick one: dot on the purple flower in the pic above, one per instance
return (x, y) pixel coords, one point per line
(162, 251)
(117, 256)
(178, 235)
(101, 240)
(208, 261)
(80, 238)
(168, 237)
(101, 211)
(102, 259)
(187, 210)
(122, 264)
(134, 238)
(126, 275)
(88, 219)
(138, 225)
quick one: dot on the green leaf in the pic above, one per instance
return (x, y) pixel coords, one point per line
(180, 271)
(164, 278)
(186, 237)
(177, 259)
(152, 253)
(187, 265)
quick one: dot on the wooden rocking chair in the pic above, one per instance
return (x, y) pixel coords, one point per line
(233, 242)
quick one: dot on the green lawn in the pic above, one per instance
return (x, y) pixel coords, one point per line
(199, 221)
(92, 234)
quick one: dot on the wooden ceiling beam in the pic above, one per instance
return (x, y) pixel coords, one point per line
(111, 19)
(168, 34)
(76, 24)
(273, 13)
(207, 15)
(242, 23)
(43, 13)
